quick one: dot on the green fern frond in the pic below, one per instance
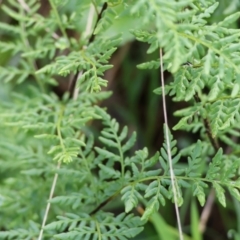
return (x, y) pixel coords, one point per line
(115, 140)
(101, 226)
(223, 114)
(104, 171)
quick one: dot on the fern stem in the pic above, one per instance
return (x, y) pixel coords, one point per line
(59, 128)
(210, 135)
(102, 204)
(49, 204)
(104, 7)
(95, 6)
(76, 88)
(206, 211)
(207, 126)
(98, 230)
(56, 175)
(88, 30)
(121, 157)
(24, 5)
(173, 179)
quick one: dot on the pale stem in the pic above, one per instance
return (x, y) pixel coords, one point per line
(86, 34)
(173, 179)
(49, 204)
(206, 211)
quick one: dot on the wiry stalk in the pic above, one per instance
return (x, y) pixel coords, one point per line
(173, 179)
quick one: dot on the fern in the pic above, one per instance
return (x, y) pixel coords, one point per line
(101, 226)
(111, 186)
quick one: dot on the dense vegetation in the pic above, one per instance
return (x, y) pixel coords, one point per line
(86, 148)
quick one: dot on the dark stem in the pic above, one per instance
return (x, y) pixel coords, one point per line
(213, 140)
(207, 126)
(101, 205)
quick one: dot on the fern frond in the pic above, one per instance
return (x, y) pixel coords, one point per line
(103, 225)
(115, 140)
(223, 114)
(93, 61)
(106, 171)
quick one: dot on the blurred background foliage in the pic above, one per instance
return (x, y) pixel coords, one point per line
(133, 103)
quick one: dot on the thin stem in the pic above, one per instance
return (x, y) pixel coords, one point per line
(102, 204)
(77, 88)
(98, 230)
(206, 211)
(207, 126)
(49, 204)
(104, 7)
(121, 155)
(95, 6)
(88, 30)
(58, 126)
(173, 179)
(24, 5)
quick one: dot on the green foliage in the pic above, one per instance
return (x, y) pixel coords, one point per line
(45, 134)
(101, 226)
